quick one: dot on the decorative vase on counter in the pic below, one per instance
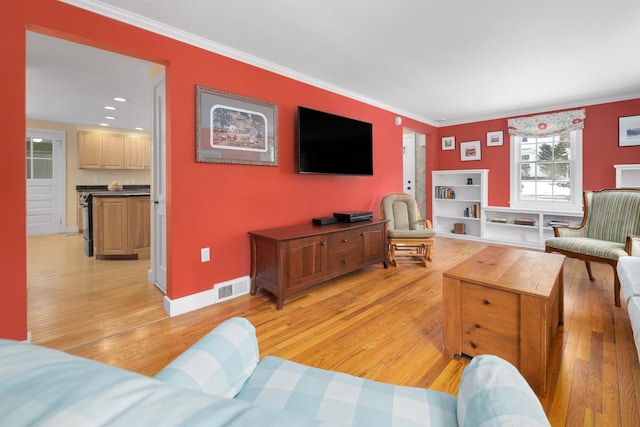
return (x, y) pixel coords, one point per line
(114, 186)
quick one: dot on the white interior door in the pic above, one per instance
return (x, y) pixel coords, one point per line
(45, 169)
(158, 274)
(409, 164)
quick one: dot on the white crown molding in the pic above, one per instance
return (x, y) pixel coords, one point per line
(148, 24)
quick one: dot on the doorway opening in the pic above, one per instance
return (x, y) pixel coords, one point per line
(414, 167)
(75, 299)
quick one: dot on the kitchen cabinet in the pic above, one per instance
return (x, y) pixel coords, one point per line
(139, 226)
(287, 260)
(137, 152)
(122, 227)
(100, 150)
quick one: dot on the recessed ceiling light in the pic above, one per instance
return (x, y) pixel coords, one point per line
(120, 99)
(139, 128)
(110, 108)
(109, 117)
(104, 124)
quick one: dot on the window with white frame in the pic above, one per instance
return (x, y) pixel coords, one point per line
(546, 166)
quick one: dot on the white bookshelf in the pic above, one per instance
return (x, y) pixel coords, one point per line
(627, 176)
(470, 189)
(448, 211)
(532, 236)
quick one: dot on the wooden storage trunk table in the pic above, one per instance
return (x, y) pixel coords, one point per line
(508, 302)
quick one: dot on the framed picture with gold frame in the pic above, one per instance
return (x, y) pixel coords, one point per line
(235, 129)
(448, 142)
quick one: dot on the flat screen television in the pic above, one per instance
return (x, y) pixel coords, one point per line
(331, 144)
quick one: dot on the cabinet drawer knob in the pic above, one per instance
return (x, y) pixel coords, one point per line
(486, 302)
(473, 345)
(344, 261)
(323, 243)
(477, 326)
(345, 240)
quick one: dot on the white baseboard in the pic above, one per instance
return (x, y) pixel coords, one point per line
(195, 301)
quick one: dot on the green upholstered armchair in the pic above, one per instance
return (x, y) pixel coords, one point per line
(406, 229)
(610, 229)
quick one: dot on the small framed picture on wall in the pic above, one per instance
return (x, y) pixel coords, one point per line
(629, 130)
(448, 142)
(494, 138)
(470, 151)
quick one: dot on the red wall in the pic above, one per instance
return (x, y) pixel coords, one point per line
(216, 205)
(600, 149)
(211, 205)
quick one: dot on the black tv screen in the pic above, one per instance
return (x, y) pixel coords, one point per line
(331, 144)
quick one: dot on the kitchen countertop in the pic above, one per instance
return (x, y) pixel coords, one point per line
(96, 188)
(123, 193)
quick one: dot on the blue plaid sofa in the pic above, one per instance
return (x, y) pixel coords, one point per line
(219, 381)
(609, 230)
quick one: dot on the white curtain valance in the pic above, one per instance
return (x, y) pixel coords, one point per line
(547, 124)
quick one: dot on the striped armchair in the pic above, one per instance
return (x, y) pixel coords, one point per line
(610, 229)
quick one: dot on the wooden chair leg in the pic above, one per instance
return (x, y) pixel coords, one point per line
(392, 255)
(588, 264)
(616, 286)
(422, 251)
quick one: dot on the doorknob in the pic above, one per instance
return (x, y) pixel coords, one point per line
(155, 202)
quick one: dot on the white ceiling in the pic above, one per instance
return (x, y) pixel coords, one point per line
(442, 62)
(72, 83)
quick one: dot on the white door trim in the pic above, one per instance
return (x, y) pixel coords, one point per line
(158, 273)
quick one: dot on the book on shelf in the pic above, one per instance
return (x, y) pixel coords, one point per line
(443, 192)
(499, 219)
(525, 221)
(472, 211)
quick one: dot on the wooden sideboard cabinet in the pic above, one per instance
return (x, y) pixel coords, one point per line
(287, 260)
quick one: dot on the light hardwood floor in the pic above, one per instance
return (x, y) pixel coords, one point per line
(381, 324)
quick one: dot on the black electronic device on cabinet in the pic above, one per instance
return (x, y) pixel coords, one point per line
(353, 216)
(324, 220)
